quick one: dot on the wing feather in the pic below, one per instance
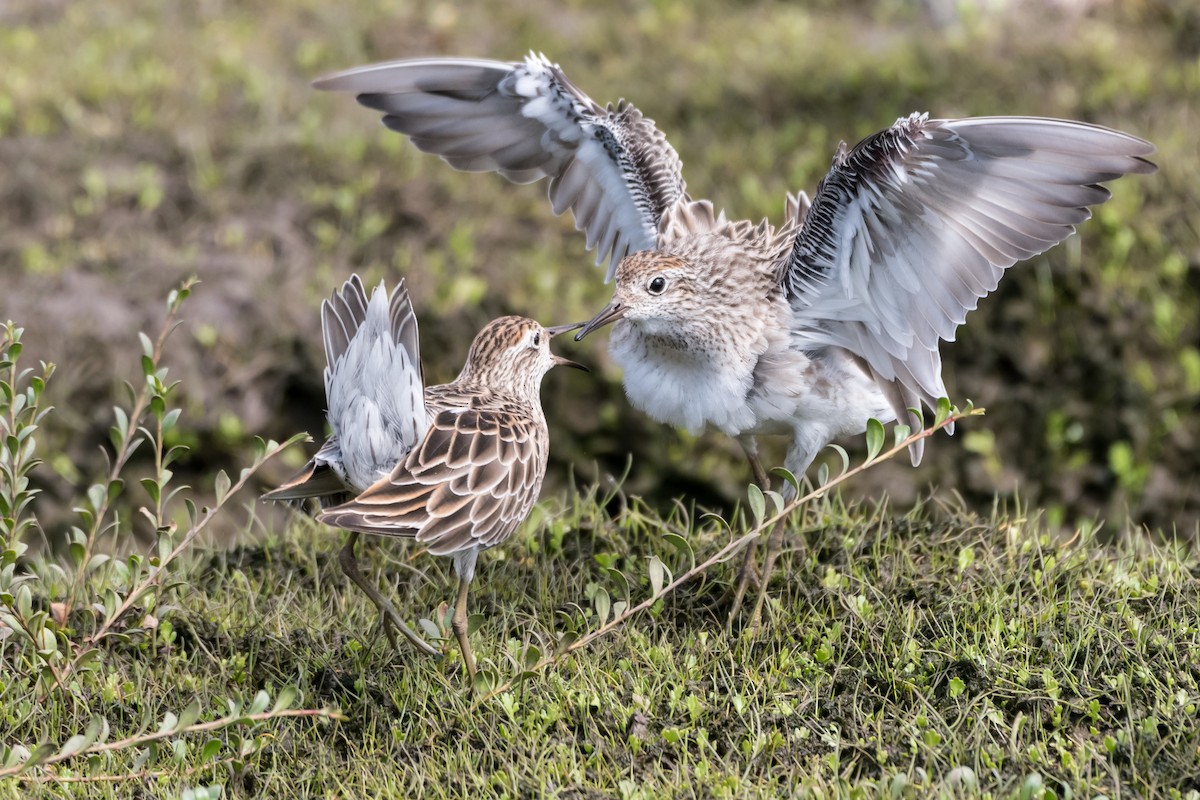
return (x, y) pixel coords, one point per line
(470, 483)
(610, 165)
(916, 223)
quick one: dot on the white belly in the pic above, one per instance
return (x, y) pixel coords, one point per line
(686, 389)
(782, 393)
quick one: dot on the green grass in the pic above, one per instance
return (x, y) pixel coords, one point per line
(898, 648)
(159, 140)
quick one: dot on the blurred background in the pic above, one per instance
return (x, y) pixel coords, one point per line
(142, 142)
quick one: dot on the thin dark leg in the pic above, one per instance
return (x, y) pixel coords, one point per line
(774, 545)
(388, 618)
(746, 572)
(459, 624)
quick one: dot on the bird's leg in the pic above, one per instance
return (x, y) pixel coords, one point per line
(389, 619)
(459, 624)
(745, 573)
(756, 468)
(774, 545)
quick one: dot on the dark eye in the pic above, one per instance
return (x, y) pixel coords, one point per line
(537, 339)
(657, 285)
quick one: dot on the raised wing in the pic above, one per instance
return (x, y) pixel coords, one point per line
(918, 222)
(616, 172)
(470, 483)
(373, 379)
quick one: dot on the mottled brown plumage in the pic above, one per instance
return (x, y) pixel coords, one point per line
(457, 466)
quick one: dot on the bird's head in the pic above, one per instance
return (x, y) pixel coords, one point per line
(514, 353)
(657, 292)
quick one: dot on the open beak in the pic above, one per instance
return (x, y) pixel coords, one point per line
(558, 360)
(611, 313)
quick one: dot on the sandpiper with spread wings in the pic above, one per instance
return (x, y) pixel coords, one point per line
(805, 329)
(456, 467)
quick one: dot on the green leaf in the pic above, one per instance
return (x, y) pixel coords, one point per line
(841, 451)
(169, 723)
(875, 438)
(122, 424)
(532, 656)
(24, 601)
(189, 715)
(39, 754)
(682, 545)
(658, 572)
(602, 603)
(152, 489)
(285, 700)
(431, 629)
(97, 729)
(210, 750)
(787, 476)
(73, 745)
(758, 504)
(96, 494)
(621, 581)
(174, 453)
(147, 345)
(944, 410)
(919, 412)
(261, 701)
(901, 432)
(485, 681)
(145, 757)
(221, 486)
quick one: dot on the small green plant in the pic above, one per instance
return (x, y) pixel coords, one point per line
(57, 618)
(21, 413)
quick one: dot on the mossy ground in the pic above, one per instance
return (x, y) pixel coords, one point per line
(897, 649)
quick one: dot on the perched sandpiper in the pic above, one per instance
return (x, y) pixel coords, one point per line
(456, 467)
(807, 329)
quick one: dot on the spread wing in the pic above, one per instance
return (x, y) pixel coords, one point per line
(373, 381)
(469, 484)
(616, 172)
(916, 223)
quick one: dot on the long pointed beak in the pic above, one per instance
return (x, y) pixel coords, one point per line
(610, 313)
(557, 329)
(558, 360)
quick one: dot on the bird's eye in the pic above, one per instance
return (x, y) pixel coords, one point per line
(537, 338)
(658, 285)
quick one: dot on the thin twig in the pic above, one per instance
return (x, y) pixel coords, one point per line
(157, 736)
